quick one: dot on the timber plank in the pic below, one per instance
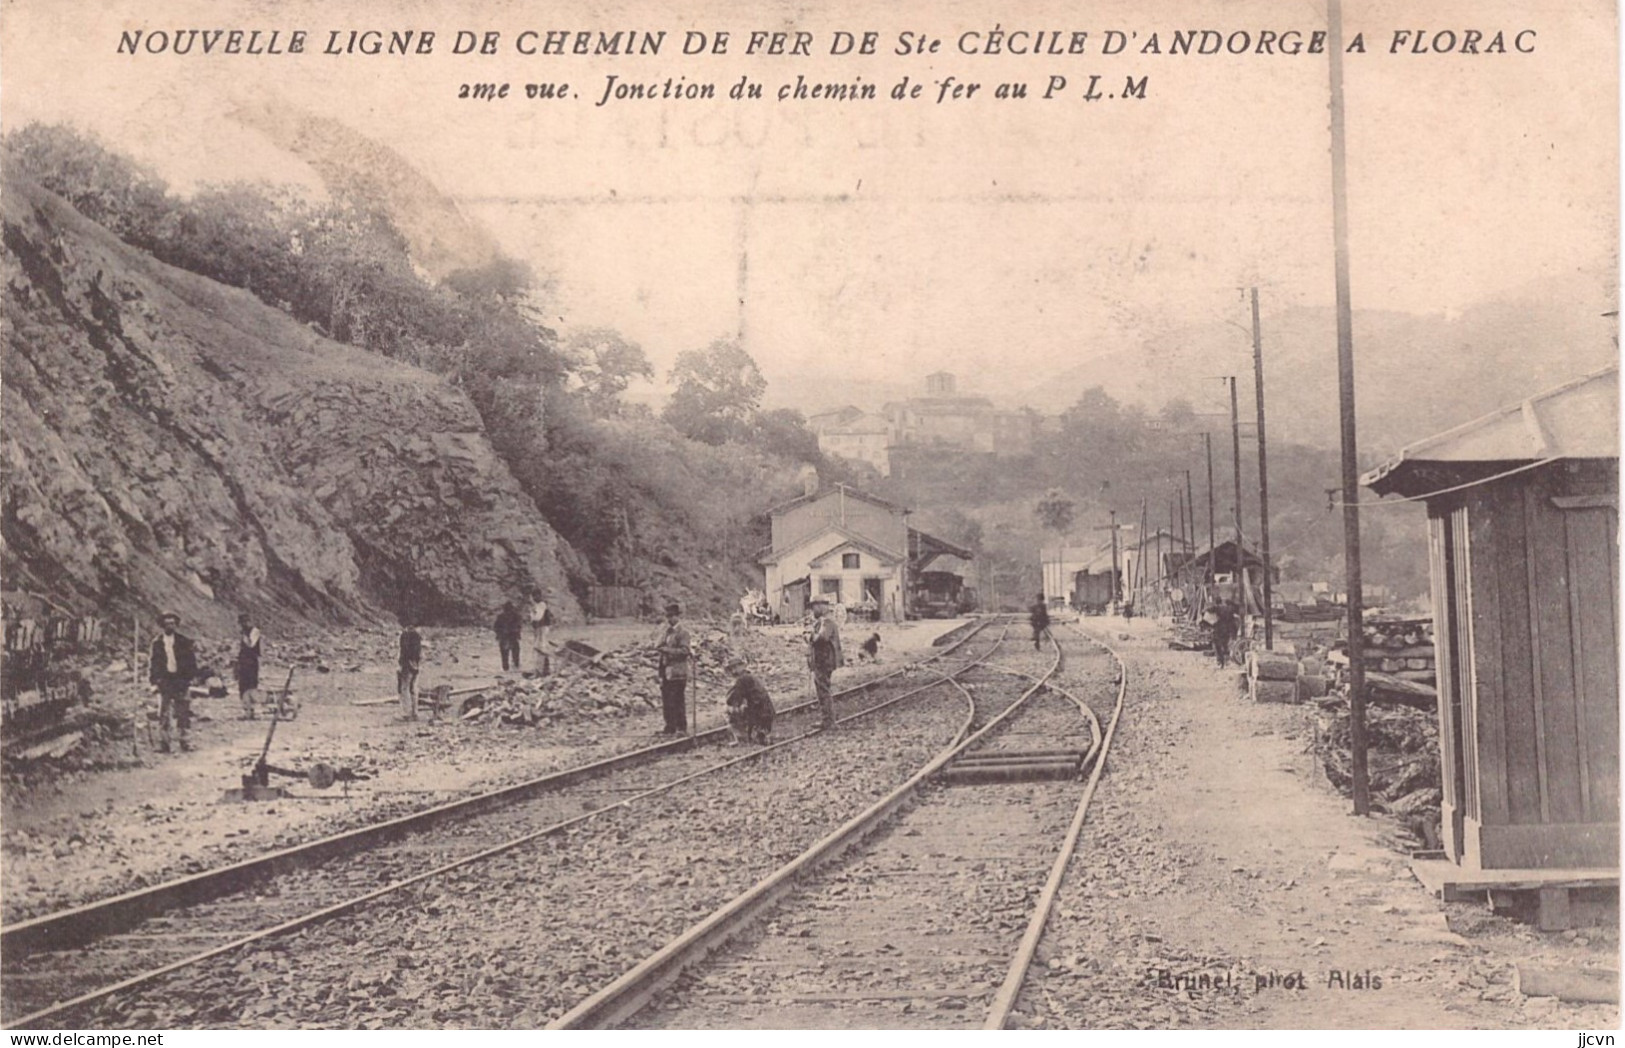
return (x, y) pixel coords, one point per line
(1557, 720)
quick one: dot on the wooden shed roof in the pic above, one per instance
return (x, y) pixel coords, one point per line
(1576, 420)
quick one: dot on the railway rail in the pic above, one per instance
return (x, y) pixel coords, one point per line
(939, 909)
(64, 963)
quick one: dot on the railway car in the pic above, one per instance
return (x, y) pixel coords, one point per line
(940, 595)
(1092, 592)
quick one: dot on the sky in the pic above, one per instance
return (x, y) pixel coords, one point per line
(856, 246)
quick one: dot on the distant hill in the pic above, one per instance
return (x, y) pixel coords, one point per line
(1414, 375)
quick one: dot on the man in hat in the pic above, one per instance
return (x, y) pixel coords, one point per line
(248, 665)
(823, 656)
(508, 628)
(171, 665)
(411, 660)
(676, 663)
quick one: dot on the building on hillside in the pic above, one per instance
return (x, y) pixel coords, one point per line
(861, 438)
(968, 422)
(848, 547)
(1523, 525)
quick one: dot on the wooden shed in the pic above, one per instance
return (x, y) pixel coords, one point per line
(1523, 516)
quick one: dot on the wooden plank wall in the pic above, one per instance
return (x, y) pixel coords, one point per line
(1543, 655)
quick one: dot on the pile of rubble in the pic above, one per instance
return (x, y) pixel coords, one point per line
(1402, 745)
(586, 683)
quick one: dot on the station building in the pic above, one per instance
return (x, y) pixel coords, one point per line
(847, 547)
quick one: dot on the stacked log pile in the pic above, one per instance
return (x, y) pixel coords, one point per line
(1402, 649)
(1272, 677)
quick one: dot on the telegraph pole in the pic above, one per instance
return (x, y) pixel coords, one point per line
(1263, 479)
(1235, 459)
(1117, 578)
(1139, 561)
(1190, 520)
(1207, 444)
(1345, 403)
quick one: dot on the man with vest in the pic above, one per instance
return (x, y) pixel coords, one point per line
(823, 657)
(172, 664)
(676, 665)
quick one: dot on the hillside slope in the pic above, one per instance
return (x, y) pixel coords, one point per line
(1414, 375)
(170, 442)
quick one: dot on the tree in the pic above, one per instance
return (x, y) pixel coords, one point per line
(717, 392)
(1055, 511)
(783, 432)
(603, 363)
(109, 189)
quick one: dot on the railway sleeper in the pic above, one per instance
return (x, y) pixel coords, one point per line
(1054, 771)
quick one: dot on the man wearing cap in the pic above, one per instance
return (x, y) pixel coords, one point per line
(823, 656)
(676, 662)
(172, 663)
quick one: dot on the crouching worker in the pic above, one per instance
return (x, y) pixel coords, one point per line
(750, 710)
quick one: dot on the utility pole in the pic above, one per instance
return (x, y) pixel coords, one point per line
(1235, 458)
(1117, 578)
(1139, 561)
(1212, 552)
(1263, 479)
(1190, 522)
(1345, 403)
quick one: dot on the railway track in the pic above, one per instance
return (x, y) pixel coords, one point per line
(931, 924)
(75, 963)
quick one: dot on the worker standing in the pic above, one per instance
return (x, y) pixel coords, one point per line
(1039, 615)
(248, 665)
(1224, 631)
(541, 621)
(508, 629)
(171, 665)
(406, 676)
(823, 656)
(676, 651)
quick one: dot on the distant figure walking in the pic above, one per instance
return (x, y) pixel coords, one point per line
(248, 666)
(509, 627)
(171, 666)
(1224, 631)
(750, 709)
(823, 656)
(406, 676)
(541, 621)
(676, 652)
(1039, 616)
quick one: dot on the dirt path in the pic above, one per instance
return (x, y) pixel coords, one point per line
(1220, 860)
